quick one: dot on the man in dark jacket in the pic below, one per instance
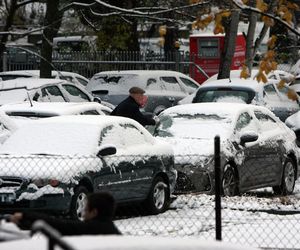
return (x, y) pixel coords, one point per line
(130, 107)
(98, 218)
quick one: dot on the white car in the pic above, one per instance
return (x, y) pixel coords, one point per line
(248, 91)
(276, 75)
(164, 88)
(42, 90)
(15, 115)
(64, 75)
(49, 109)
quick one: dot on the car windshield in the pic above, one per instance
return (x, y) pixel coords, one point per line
(13, 95)
(200, 125)
(224, 95)
(54, 139)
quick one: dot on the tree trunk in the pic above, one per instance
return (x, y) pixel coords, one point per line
(52, 24)
(7, 26)
(229, 46)
(250, 39)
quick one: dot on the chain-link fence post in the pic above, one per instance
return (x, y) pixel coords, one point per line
(218, 189)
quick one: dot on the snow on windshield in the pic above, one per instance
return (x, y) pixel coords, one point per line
(69, 139)
(13, 95)
(204, 126)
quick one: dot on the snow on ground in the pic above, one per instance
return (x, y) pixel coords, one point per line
(257, 219)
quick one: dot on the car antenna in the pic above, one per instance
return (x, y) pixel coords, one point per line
(31, 104)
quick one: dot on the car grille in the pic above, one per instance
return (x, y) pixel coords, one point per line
(11, 181)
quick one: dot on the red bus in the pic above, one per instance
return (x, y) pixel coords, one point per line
(206, 50)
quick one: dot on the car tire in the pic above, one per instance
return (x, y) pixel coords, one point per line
(159, 197)
(230, 185)
(78, 203)
(288, 179)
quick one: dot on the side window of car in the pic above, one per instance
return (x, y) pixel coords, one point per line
(171, 83)
(271, 93)
(189, 83)
(81, 81)
(244, 121)
(266, 122)
(152, 84)
(51, 94)
(75, 93)
(285, 92)
(133, 135)
(90, 112)
(112, 134)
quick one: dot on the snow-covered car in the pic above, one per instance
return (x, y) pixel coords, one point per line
(257, 149)
(64, 75)
(274, 75)
(163, 88)
(280, 99)
(51, 164)
(36, 110)
(42, 90)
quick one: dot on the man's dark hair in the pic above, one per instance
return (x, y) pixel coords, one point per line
(103, 202)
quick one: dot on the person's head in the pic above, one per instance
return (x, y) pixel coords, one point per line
(100, 205)
(138, 95)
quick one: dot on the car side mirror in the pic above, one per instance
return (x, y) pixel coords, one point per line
(249, 136)
(107, 150)
(97, 99)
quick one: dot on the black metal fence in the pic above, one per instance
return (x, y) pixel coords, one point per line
(89, 63)
(257, 218)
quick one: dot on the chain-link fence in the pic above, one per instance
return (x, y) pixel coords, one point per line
(264, 217)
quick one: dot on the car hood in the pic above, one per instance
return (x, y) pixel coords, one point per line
(62, 168)
(196, 150)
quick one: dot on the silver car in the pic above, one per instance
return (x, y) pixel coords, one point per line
(163, 88)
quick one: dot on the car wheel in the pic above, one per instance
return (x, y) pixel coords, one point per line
(159, 196)
(230, 181)
(288, 179)
(78, 203)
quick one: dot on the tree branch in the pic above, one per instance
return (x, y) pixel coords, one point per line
(242, 6)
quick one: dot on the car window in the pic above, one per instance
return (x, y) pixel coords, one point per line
(75, 93)
(266, 122)
(5, 77)
(152, 84)
(224, 95)
(132, 135)
(82, 81)
(170, 83)
(50, 94)
(244, 121)
(271, 93)
(189, 83)
(67, 78)
(90, 112)
(112, 134)
(284, 90)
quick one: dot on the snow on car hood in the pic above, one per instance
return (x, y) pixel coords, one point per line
(64, 169)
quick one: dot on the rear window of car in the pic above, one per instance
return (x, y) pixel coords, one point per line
(224, 95)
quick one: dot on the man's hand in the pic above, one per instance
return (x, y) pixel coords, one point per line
(16, 217)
